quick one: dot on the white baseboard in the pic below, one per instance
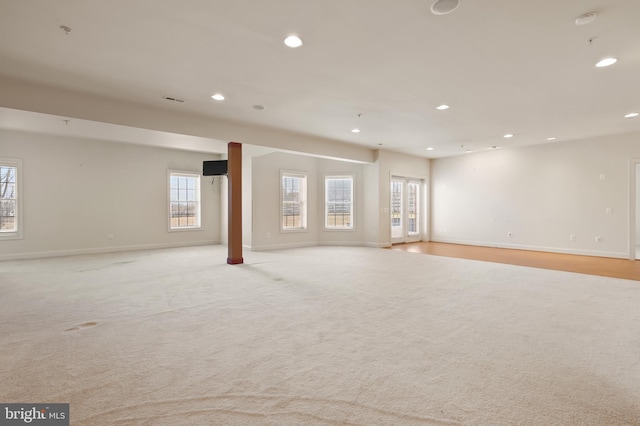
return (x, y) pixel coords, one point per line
(283, 246)
(113, 249)
(563, 250)
(377, 245)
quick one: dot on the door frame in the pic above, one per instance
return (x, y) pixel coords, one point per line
(422, 208)
(634, 165)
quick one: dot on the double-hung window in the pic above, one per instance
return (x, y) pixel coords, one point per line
(293, 201)
(10, 198)
(338, 202)
(184, 200)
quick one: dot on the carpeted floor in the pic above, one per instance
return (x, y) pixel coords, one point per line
(318, 336)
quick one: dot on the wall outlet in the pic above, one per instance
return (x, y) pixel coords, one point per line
(608, 210)
(110, 236)
(268, 234)
(598, 239)
(572, 237)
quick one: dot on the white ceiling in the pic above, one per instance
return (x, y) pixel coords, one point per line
(504, 66)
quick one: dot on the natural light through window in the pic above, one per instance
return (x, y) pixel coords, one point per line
(293, 201)
(10, 206)
(338, 212)
(184, 200)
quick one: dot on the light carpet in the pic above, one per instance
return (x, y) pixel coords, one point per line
(317, 336)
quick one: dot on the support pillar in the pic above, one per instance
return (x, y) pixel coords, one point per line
(234, 175)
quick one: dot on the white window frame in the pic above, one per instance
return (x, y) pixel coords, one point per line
(350, 227)
(17, 234)
(198, 200)
(302, 203)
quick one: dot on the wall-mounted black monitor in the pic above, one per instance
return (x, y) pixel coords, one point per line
(214, 168)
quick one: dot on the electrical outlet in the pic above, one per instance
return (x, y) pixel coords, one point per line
(268, 234)
(110, 236)
(598, 239)
(572, 237)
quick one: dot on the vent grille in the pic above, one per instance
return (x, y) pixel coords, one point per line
(171, 98)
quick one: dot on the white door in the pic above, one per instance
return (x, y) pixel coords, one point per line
(405, 210)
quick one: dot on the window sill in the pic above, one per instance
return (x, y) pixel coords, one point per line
(11, 236)
(199, 228)
(293, 231)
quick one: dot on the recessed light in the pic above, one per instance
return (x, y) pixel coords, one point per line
(293, 41)
(442, 107)
(586, 18)
(552, 138)
(442, 7)
(606, 62)
(508, 135)
(355, 130)
(631, 115)
(218, 97)
(430, 148)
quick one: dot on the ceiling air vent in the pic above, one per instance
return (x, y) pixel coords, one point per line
(171, 98)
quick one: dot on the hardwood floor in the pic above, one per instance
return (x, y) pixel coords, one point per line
(604, 266)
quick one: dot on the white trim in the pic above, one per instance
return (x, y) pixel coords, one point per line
(633, 223)
(304, 201)
(353, 202)
(283, 246)
(184, 173)
(19, 233)
(61, 253)
(617, 255)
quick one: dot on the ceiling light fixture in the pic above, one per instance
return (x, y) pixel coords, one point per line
(355, 130)
(442, 107)
(606, 62)
(217, 97)
(293, 41)
(508, 135)
(443, 7)
(552, 138)
(430, 148)
(586, 18)
(631, 115)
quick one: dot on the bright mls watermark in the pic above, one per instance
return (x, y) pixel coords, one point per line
(34, 414)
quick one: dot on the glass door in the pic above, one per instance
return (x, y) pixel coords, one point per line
(397, 210)
(405, 210)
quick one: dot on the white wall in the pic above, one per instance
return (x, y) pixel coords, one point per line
(77, 191)
(541, 194)
(372, 192)
(266, 202)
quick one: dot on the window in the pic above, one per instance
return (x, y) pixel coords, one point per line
(293, 201)
(338, 196)
(10, 199)
(184, 200)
